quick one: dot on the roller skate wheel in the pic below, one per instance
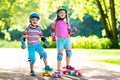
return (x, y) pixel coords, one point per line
(69, 71)
(74, 74)
(64, 72)
(53, 75)
(59, 75)
(79, 74)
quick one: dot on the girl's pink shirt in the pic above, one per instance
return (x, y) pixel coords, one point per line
(61, 29)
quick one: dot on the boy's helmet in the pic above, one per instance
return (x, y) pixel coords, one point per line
(34, 15)
(62, 8)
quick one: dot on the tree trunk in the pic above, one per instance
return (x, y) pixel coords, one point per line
(104, 20)
(112, 32)
(113, 25)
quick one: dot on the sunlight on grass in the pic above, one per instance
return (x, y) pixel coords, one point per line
(111, 61)
(111, 56)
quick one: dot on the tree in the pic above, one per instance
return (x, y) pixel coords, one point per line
(14, 13)
(107, 10)
(109, 22)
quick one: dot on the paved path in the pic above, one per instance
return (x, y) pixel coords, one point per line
(14, 66)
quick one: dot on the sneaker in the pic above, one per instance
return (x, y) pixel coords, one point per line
(70, 67)
(32, 73)
(48, 68)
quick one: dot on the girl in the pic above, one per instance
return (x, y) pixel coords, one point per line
(32, 34)
(63, 31)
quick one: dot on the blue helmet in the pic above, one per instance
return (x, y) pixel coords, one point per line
(34, 15)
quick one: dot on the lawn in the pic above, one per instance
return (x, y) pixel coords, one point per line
(111, 56)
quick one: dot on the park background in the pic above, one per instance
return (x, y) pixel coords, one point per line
(97, 38)
(98, 22)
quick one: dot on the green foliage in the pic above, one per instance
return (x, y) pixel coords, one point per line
(52, 44)
(91, 42)
(9, 44)
(15, 35)
(84, 14)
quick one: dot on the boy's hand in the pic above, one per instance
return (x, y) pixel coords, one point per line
(23, 45)
(47, 43)
(45, 40)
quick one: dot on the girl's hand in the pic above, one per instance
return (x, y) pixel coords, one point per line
(74, 29)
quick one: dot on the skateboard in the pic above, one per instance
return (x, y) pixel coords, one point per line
(45, 72)
(73, 72)
(53, 73)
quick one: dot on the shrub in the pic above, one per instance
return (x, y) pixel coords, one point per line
(91, 42)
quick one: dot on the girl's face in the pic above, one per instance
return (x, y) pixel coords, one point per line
(34, 21)
(62, 14)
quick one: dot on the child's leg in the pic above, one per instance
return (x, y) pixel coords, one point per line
(68, 53)
(59, 58)
(60, 48)
(68, 56)
(31, 67)
(42, 53)
(31, 55)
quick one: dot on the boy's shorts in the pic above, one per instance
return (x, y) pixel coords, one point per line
(63, 43)
(32, 48)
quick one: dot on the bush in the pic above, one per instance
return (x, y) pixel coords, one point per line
(91, 42)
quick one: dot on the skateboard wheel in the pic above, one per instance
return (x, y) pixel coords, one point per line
(74, 74)
(79, 74)
(69, 71)
(64, 72)
(53, 75)
(59, 75)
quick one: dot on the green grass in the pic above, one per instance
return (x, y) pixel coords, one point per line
(9, 44)
(111, 61)
(111, 56)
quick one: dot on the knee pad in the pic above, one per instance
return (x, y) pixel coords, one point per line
(59, 56)
(31, 60)
(68, 53)
(44, 55)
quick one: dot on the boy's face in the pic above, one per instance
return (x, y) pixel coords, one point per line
(62, 14)
(34, 21)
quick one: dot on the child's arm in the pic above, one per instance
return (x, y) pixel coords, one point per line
(23, 39)
(43, 38)
(71, 31)
(52, 31)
